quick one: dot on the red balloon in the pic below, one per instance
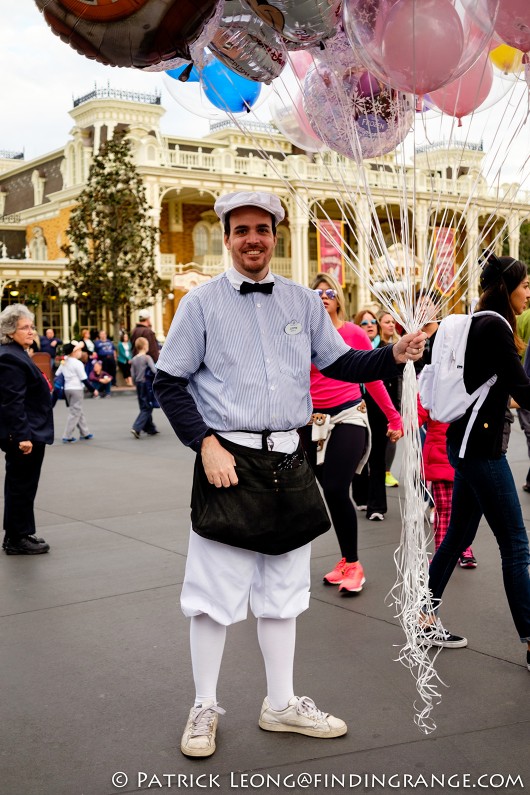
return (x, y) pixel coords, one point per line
(138, 33)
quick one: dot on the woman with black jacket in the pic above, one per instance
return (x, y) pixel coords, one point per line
(484, 484)
(26, 427)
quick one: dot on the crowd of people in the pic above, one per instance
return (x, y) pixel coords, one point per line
(276, 391)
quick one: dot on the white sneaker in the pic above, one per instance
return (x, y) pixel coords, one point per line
(302, 717)
(199, 735)
(376, 517)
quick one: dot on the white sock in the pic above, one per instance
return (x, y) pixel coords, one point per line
(207, 642)
(277, 638)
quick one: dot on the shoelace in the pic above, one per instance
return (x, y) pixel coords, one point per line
(438, 630)
(306, 706)
(202, 720)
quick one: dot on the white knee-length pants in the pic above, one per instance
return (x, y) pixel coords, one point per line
(220, 580)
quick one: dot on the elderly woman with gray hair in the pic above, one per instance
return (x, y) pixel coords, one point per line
(26, 427)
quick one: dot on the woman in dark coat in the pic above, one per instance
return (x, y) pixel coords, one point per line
(26, 427)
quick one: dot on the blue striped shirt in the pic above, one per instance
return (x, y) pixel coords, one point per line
(247, 357)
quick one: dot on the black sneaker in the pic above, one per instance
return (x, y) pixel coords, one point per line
(436, 635)
(26, 545)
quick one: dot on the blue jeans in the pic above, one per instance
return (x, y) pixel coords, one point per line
(485, 486)
(144, 420)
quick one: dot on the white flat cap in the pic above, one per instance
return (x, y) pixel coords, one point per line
(265, 201)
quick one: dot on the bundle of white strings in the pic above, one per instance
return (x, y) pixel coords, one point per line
(410, 594)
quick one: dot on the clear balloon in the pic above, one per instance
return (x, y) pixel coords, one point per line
(214, 91)
(302, 21)
(512, 23)
(286, 106)
(414, 46)
(351, 122)
(468, 93)
(247, 45)
(138, 33)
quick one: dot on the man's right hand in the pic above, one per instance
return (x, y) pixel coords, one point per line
(219, 465)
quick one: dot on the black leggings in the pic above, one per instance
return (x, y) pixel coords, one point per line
(344, 450)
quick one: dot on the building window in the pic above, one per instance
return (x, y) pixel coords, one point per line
(37, 245)
(217, 241)
(282, 243)
(201, 241)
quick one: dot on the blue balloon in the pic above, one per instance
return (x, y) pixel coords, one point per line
(192, 73)
(227, 90)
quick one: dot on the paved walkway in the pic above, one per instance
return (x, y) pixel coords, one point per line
(95, 665)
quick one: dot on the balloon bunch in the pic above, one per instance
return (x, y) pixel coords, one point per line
(437, 50)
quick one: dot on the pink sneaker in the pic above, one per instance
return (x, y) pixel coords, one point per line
(353, 579)
(336, 576)
(467, 560)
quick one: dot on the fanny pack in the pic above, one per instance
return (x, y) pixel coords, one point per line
(276, 506)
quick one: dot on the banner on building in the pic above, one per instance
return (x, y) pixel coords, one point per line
(330, 236)
(445, 260)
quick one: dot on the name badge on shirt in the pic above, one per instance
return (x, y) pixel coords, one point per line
(294, 327)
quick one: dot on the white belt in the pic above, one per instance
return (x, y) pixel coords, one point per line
(321, 430)
(281, 441)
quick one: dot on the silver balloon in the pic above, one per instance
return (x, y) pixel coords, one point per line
(247, 45)
(198, 48)
(302, 21)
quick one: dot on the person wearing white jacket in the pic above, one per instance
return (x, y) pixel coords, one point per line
(75, 379)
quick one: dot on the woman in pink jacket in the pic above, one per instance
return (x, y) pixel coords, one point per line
(438, 470)
(337, 440)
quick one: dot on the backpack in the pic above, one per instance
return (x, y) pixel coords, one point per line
(58, 387)
(441, 383)
(149, 377)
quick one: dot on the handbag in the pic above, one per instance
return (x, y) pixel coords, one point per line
(275, 507)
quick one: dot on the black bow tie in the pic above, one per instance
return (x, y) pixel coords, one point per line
(254, 287)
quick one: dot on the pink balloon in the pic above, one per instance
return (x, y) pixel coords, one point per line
(418, 45)
(422, 44)
(466, 94)
(513, 22)
(300, 61)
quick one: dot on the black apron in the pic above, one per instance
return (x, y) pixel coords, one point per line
(276, 506)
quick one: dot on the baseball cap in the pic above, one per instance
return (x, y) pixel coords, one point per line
(71, 346)
(265, 201)
(144, 314)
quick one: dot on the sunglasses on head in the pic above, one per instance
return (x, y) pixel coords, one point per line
(368, 322)
(331, 294)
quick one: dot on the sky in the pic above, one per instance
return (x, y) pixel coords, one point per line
(41, 75)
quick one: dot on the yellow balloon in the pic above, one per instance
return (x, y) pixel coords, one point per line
(507, 59)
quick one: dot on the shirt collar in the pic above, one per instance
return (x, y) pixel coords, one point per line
(236, 279)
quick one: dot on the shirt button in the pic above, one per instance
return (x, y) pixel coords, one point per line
(258, 304)
(268, 361)
(273, 388)
(486, 425)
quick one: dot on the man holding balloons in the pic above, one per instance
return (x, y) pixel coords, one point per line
(233, 379)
